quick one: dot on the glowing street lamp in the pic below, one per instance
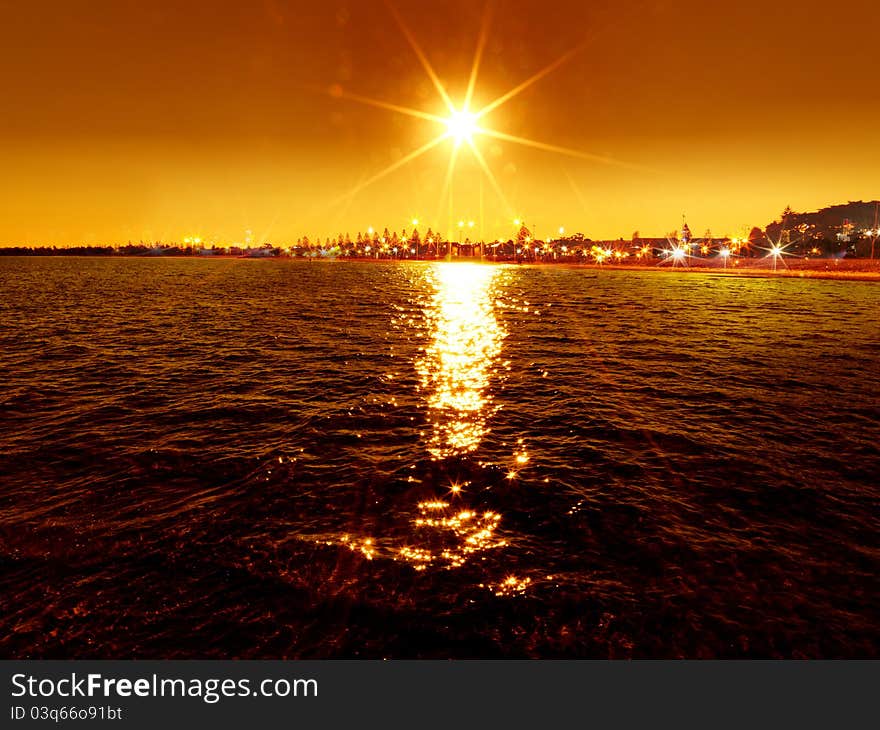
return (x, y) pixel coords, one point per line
(776, 252)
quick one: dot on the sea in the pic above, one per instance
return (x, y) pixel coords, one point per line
(325, 459)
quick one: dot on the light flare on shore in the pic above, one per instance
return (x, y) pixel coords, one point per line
(777, 251)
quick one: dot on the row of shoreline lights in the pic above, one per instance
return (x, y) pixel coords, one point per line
(678, 253)
(196, 240)
(462, 224)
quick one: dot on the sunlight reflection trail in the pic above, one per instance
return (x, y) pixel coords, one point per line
(457, 364)
(450, 525)
(449, 520)
(455, 371)
(449, 535)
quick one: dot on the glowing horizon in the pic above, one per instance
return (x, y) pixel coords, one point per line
(289, 124)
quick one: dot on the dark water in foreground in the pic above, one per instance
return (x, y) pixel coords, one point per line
(281, 459)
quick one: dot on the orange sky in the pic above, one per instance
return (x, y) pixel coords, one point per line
(155, 120)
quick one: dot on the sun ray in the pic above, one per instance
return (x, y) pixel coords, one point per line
(478, 55)
(264, 236)
(557, 149)
(578, 193)
(342, 212)
(418, 114)
(423, 59)
(515, 91)
(447, 182)
(492, 179)
(549, 68)
(392, 167)
(461, 125)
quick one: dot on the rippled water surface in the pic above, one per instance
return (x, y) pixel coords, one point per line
(242, 458)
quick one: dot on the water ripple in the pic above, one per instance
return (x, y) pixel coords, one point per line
(280, 458)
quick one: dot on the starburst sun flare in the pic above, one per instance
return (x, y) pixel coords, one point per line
(462, 125)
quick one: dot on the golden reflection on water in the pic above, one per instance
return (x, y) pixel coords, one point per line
(458, 533)
(457, 364)
(455, 372)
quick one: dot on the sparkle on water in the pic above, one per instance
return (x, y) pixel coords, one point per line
(652, 465)
(456, 366)
(455, 371)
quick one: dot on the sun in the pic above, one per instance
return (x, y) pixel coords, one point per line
(462, 126)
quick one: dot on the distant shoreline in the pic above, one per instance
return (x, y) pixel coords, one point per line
(837, 269)
(842, 269)
(853, 270)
